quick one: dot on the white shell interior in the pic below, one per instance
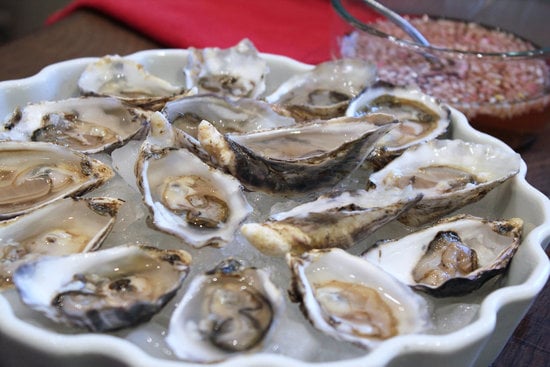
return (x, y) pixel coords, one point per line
(181, 162)
(486, 163)
(410, 309)
(183, 335)
(400, 257)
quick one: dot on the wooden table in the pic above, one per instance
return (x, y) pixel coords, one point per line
(86, 33)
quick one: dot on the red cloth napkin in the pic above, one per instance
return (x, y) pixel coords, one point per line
(300, 29)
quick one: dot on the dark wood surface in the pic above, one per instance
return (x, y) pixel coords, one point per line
(86, 33)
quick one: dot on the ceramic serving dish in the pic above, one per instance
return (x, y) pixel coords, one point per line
(471, 331)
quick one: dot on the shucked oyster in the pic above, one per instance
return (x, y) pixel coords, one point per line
(227, 115)
(229, 310)
(189, 199)
(33, 174)
(103, 290)
(453, 257)
(63, 227)
(324, 91)
(238, 71)
(334, 220)
(299, 158)
(422, 118)
(89, 125)
(352, 300)
(120, 77)
(448, 173)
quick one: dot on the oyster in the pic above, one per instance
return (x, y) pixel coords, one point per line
(353, 300)
(238, 71)
(120, 77)
(229, 310)
(227, 115)
(189, 199)
(333, 220)
(325, 91)
(299, 158)
(452, 258)
(63, 227)
(103, 290)
(33, 174)
(88, 125)
(449, 174)
(422, 118)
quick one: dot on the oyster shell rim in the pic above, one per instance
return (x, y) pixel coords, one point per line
(98, 171)
(461, 285)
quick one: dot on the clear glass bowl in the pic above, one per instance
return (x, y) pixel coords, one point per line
(489, 59)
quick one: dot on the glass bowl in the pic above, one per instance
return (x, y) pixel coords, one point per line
(489, 59)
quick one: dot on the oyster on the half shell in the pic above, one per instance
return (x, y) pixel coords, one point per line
(325, 91)
(103, 290)
(238, 71)
(63, 227)
(188, 198)
(87, 124)
(296, 159)
(33, 174)
(227, 311)
(422, 118)
(120, 77)
(350, 299)
(333, 220)
(226, 114)
(454, 257)
(448, 173)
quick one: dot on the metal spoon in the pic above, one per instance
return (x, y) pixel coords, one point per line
(405, 26)
(399, 21)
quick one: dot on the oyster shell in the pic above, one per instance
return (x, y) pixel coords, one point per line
(449, 174)
(352, 300)
(325, 91)
(33, 174)
(120, 77)
(238, 71)
(103, 290)
(333, 220)
(452, 258)
(299, 158)
(189, 199)
(63, 227)
(227, 115)
(227, 311)
(422, 118)
(88, 125)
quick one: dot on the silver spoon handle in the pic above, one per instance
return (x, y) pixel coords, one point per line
(398, 20)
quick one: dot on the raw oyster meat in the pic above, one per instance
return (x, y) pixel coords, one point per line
(454, 257)
(33, 174)
(299, 158)
(449, 174)
(227, 311)
(325, 91)
(227, 115)
(103, 290)
(88, 124)
(353, 300)
(333, 220)
(189, 199)
(120, 77)
(238, 71)
(422, 118)
(63, 227)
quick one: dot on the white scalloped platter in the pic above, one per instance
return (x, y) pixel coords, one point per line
(469, 331)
